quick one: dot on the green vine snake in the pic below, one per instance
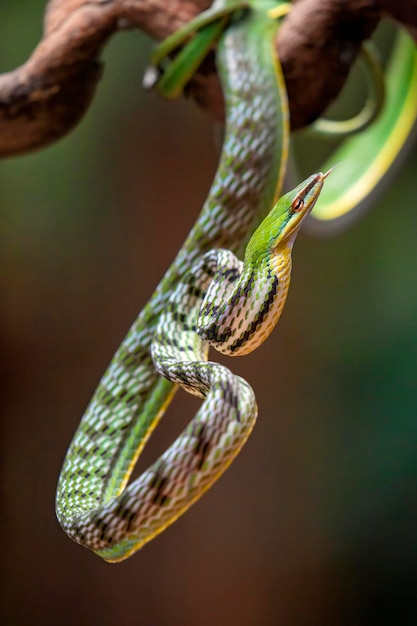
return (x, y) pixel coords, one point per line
(207, 296)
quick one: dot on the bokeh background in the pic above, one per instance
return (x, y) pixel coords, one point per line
(315, 522)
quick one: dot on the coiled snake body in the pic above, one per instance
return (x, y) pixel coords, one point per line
(93, 504)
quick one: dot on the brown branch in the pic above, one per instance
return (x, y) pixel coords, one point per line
(44, 98)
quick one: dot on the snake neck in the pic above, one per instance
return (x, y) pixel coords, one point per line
(255, 322)
(243, 304)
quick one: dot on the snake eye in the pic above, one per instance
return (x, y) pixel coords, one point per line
(297, 205)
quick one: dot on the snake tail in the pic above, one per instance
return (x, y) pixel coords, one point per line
(368, 159)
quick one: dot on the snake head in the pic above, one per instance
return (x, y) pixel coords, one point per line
(281, 226)
(292, 209)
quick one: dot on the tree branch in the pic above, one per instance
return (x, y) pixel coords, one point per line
(43, 99)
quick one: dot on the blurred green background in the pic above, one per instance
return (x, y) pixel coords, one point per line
(315, 522)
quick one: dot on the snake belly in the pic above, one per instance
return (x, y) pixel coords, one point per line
(94, 504)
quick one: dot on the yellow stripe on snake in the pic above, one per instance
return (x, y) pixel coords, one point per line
(206, 297)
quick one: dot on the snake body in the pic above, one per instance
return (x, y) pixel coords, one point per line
(94, 506)
(368, 159)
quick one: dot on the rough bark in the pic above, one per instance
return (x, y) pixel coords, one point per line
(44, 98)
